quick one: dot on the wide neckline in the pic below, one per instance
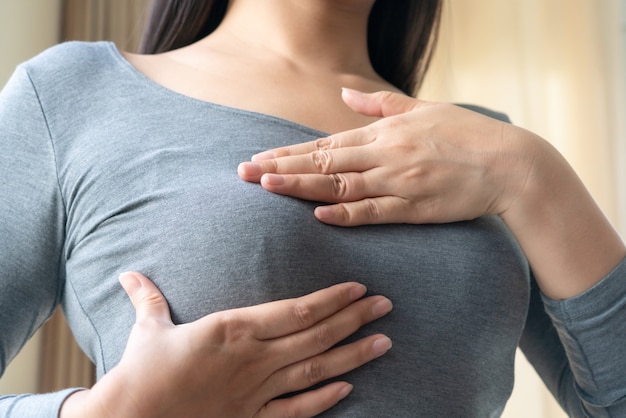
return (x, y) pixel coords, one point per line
(150, 83)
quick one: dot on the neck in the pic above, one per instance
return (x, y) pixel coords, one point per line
(308, 35)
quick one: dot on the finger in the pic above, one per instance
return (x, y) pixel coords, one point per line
(350, 138)
(377, 210)
(341, 160)
(297, 149)
(308, 404)
(148, 301)
(284, 317)
(330, 364)
(333, 188)
(322, 336)
(379, 104)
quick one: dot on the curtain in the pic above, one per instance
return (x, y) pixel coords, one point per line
(120, 21)
(63, 363)
(551, 66)
(555, 67)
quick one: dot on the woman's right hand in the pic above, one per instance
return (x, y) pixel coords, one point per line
(235, 363)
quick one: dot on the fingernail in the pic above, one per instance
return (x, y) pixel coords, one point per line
(381, 346)
(130, 282)
(265, 155)
(273, 179)
(345, 391)
(251, 169)
(381, 308)
(346, 90)
(357, 292)
(323, 213)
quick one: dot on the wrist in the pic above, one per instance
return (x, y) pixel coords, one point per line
(569, 243)
(79, 404)
(519, 169)
(108, 398)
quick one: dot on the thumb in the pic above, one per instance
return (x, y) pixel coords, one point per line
(148, 301)
(379, 104)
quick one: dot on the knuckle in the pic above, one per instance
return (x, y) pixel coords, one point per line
(283, 152)
(322, 161)
(372, 209)
(230, 327)
(302, 315)
(148, 297)
(324, 337)
(385, 96)
(322, 144)
(339, 186)
(344, 214)
(270, 166)
(314, 370)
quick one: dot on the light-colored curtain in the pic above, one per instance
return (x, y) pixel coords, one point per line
(63, 363)
(120, 21)
(555, 67)
(27, 27)
(552, 65)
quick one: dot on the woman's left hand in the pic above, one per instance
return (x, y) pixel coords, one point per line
(433, 163)
(421, 163)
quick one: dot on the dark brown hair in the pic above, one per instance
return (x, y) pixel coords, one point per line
(401, 33)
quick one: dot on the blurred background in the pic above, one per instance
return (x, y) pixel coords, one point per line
(556, 67)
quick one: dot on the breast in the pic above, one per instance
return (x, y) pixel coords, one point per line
(460, 294)
(211, 242)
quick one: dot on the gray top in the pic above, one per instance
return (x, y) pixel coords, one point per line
(103, 171)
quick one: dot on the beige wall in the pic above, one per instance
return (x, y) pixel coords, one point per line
(618, 43)
(555, 67)
(26, 28)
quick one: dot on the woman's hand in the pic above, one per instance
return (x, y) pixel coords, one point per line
(235, 363)
(430, 163)
(422, 163)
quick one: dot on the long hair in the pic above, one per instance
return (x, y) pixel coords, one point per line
(401, 33)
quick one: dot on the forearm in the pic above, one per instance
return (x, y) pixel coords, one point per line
(86, 403)
(576, 346)
(568, 241)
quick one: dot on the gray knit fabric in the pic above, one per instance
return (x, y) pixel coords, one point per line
(103, 171)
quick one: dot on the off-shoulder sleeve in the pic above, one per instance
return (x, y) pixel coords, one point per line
(578, 347)
(31, 231)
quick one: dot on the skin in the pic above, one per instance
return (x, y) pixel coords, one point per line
(267, 56)
(264, 57)
(234, 363)
(432, 163)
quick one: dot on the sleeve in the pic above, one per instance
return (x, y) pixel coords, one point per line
(578, 346)
(32, 231)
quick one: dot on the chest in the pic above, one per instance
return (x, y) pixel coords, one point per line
(308, 97)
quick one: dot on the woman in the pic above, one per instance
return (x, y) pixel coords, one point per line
(145, 149)
(118, 162)
(442, 163)
(88, 169)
